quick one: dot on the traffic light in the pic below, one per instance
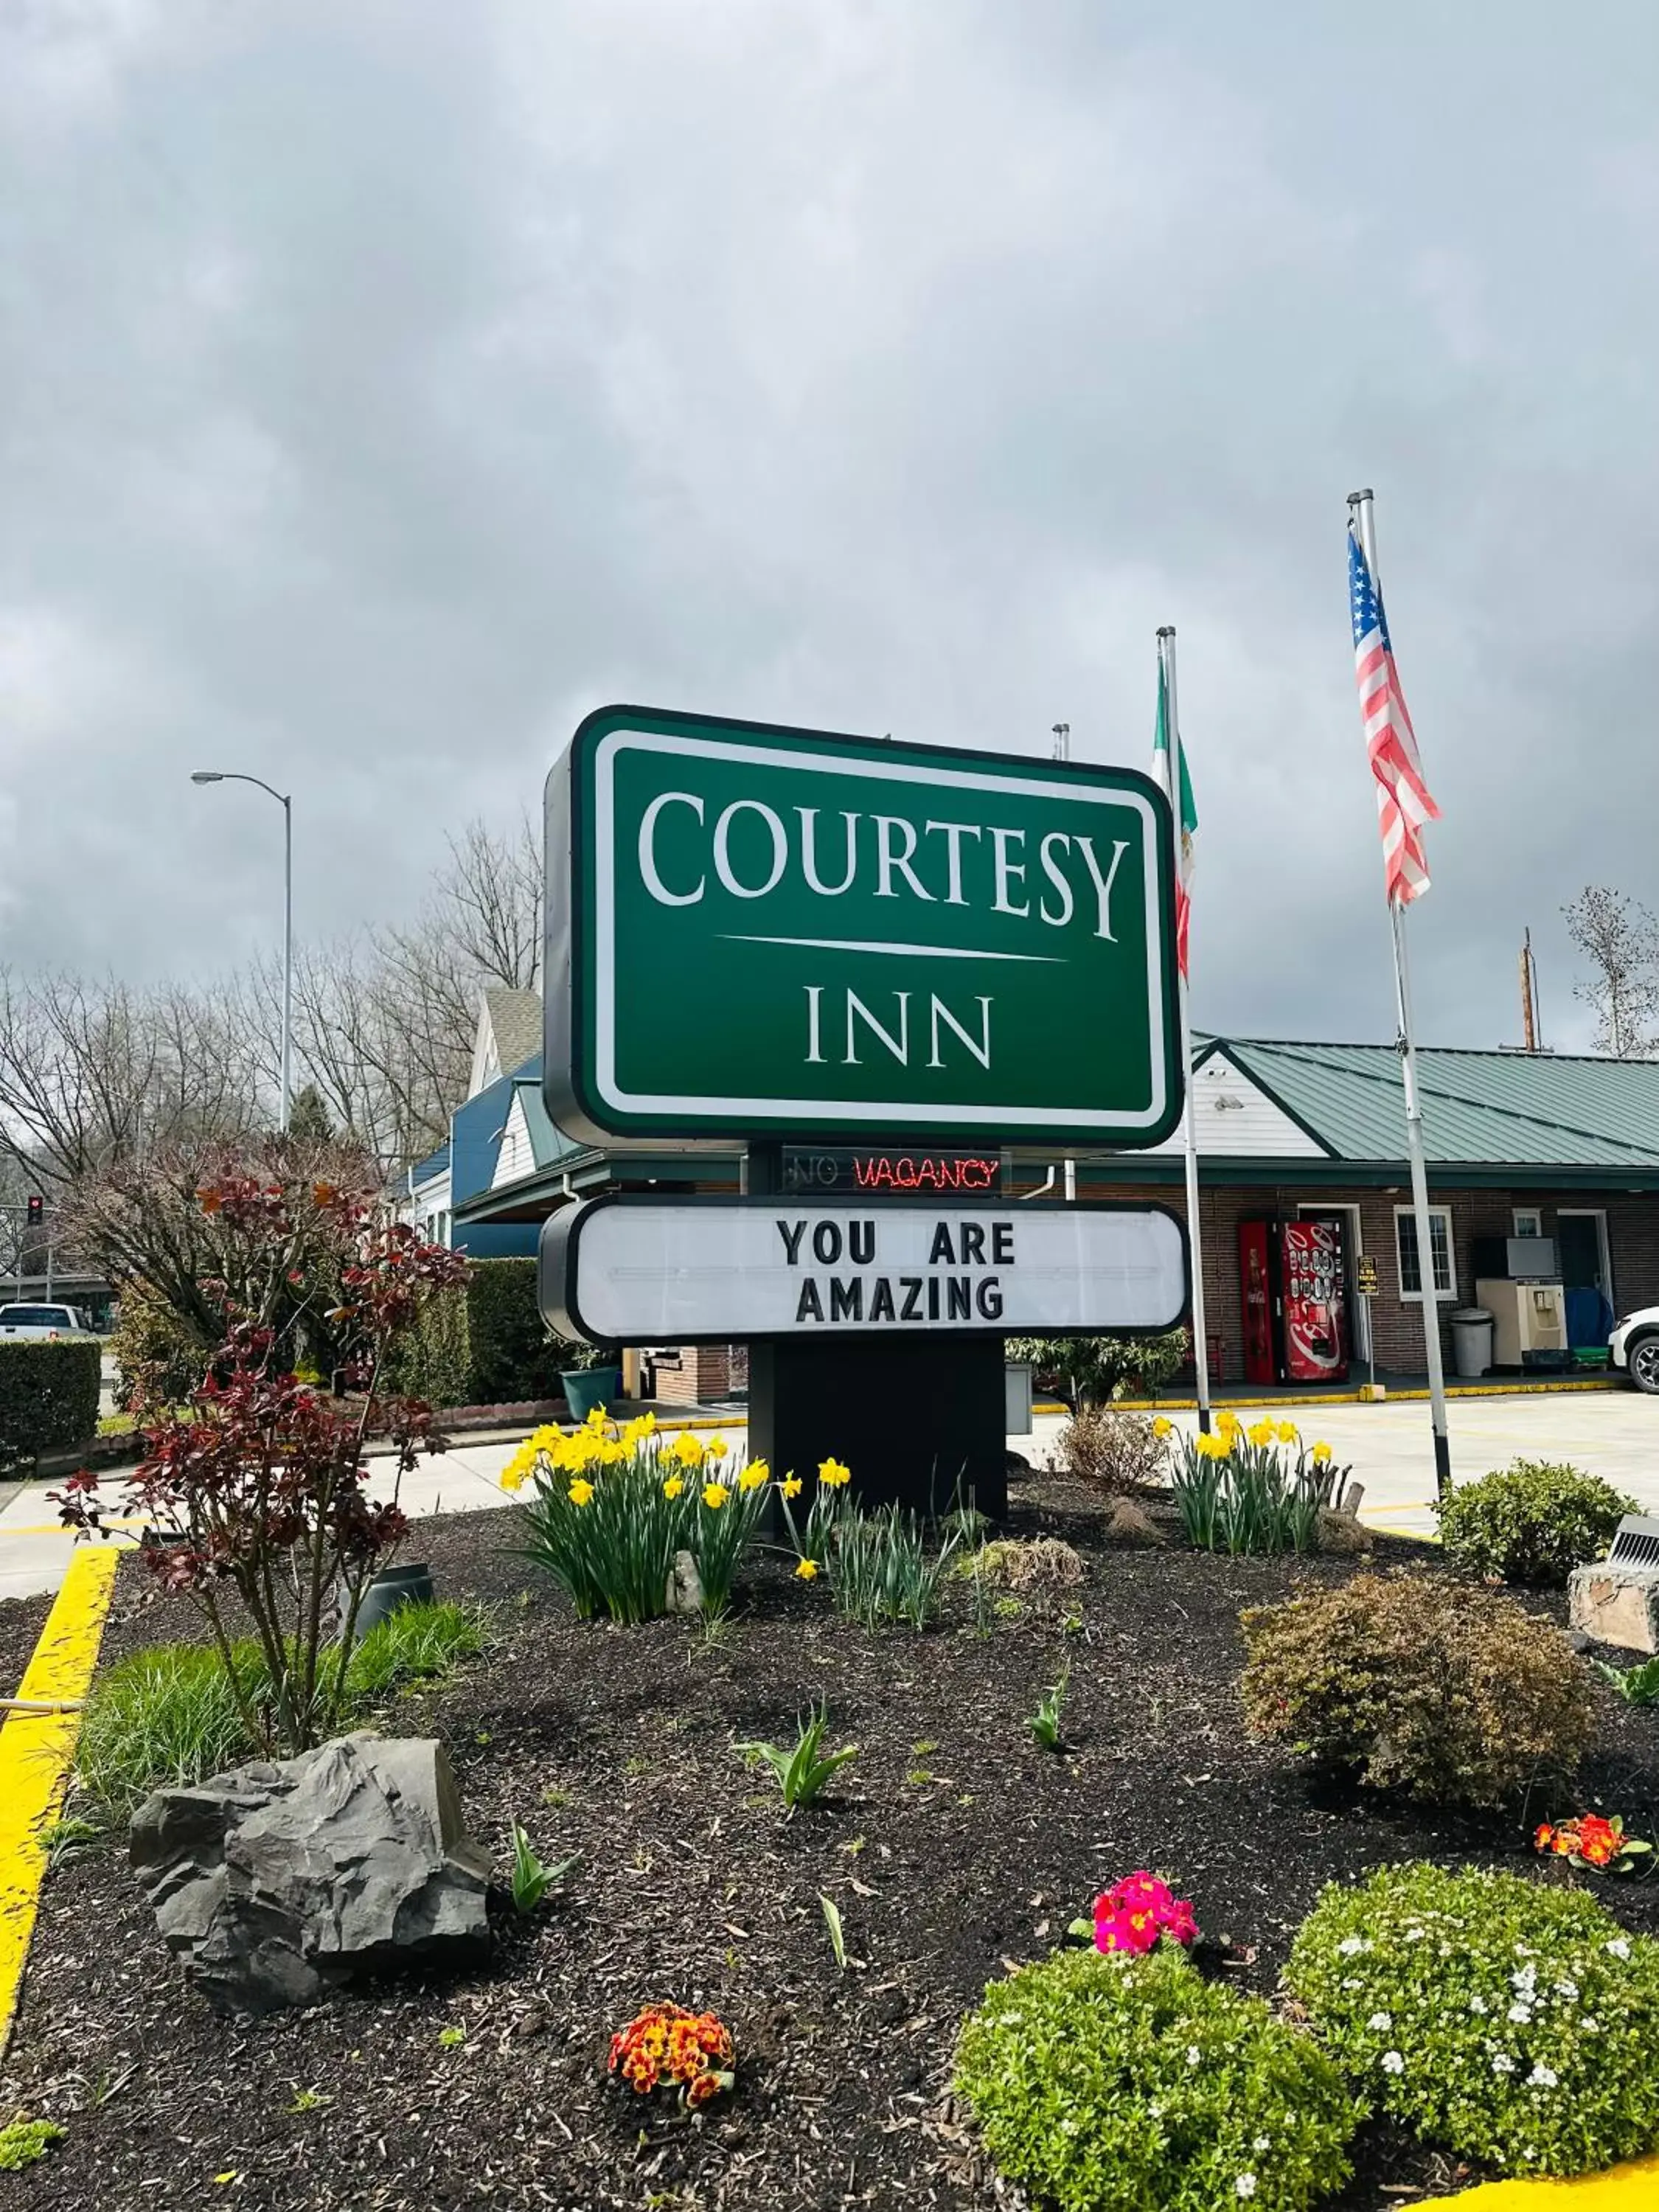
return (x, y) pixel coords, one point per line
(37, 1211)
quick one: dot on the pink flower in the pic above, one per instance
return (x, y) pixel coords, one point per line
(1134, 1912)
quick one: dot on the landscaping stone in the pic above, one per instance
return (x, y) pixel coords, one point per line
(1616, 1605)
(685, 1585)
(1129, 1523)
(276, 1881)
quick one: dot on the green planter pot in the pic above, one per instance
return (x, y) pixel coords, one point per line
(585, 1388)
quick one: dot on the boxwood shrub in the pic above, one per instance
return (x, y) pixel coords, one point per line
(1531, 1522)
(1110, 2084)
(483, 1344)
(1451, 1695)
(1511, 2020)
(48, 1396)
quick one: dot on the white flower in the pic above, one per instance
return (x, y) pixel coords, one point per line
(1478, 2005)
(1245, 2184)
(1526, 1979)
(1619, 1948)
(1262, 2142)
(1521, 2013)
(1392, 2063)
(1351, 1946)
(1070, 2127)
(1541, 2077)
(1193, 2054)
(1567, 1991)
(1414, 1934)
(1379, 2022)
(1503, 2063)
(1353, 1982)
(1589, 2026)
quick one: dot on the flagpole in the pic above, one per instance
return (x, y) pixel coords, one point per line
(1360, 501)
(1166, 649)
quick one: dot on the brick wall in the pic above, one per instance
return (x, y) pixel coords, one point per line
(1396, 1325)
(693, 1373)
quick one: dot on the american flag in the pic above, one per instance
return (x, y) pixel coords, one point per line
(1403, 804)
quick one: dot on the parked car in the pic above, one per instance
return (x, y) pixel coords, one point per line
(1634, 1345)
(41, 1320)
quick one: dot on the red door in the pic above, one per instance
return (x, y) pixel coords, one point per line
(1256, 1248)
(1314, 1301)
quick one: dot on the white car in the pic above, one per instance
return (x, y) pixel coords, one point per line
(1634, 1345)
(41, 1321)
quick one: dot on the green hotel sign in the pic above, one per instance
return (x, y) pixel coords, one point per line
(754, 930)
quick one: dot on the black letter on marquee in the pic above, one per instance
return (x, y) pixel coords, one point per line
(911, 1286)
(933, 1297)
(973, 1244)
(1002, 1243)
(959, 1293)
(861, 1243)
(826, 1243)
(846, 1299)
(942, 1248)
(792, 1244)
(881, 1305)
(811, 1306)
(990, 1299)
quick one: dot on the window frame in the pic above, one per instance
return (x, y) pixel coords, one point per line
(1533, 1213)
(1449, 1296)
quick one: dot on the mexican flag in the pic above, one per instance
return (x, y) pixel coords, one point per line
(1180, 788)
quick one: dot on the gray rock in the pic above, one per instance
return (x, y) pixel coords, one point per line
(1615, 1605)
(276, 1882)
(685, 1585)
(1342, 1534)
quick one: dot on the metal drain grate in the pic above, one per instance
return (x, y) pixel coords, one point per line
(1635, 1543)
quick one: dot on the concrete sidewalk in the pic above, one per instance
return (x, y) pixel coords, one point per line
(1615, 1434)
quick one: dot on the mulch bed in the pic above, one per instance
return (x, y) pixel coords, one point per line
(953, 1848)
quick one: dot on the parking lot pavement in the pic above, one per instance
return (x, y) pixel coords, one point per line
(1615, 1434)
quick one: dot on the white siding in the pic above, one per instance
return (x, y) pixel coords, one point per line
(515, 1157)
(1234, 1119)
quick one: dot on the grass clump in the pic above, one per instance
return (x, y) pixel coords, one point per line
(801, 1769)
(1111, 2084)
(880, 1567)
(1514, 2022)
(1037, 1563)
(169, 1715)
(1531, 1522)
(1453, 1696)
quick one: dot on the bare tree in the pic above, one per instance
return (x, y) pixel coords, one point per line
(1620, 939)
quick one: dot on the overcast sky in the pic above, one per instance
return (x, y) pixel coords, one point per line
(383, 385)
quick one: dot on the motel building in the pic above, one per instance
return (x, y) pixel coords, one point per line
(1543, 1174)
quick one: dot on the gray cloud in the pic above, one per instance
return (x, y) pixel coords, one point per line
(381, 386)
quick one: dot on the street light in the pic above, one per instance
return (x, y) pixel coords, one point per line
(234, 775)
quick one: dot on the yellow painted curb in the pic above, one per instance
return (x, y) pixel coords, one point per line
(1632, 2188)
(35, 1751)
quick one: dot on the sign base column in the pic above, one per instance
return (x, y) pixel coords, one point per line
(919, 1420)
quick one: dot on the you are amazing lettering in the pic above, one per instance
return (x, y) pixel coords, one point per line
(841, 1278)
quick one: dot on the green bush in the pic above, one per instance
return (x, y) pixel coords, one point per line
(1095, 1368)
(48, 1396)
(482, 1345)
(1513, 2022)
(1113, 2084)
(1531, 1522)
(159, 1358)
(1454, 1696)
(166, 1717)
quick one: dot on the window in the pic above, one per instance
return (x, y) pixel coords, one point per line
(1411, 1272)
(1528, 1221)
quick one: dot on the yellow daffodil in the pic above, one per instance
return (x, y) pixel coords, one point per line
(581, 1492)
(1212, 1446)
(688, 1449)
(716, 1447)
(1262, 1433)
(791, 1485)
(1161, 1428)
(1228, 1422)
(833, 1474)
(596, 1418)
(672, 1487)
(714, 1495)
(1321, 1454)
(807, 1570)
(514, 1476)
(1287, 1432)
(754, 1474)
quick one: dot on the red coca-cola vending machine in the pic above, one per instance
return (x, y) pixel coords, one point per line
(1294, 1282)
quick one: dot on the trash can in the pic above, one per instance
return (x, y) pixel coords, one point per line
(1472, 1327)
(1016, 1398)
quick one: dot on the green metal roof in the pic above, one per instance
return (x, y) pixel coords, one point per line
(1479, 1108)
(549, 1144)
